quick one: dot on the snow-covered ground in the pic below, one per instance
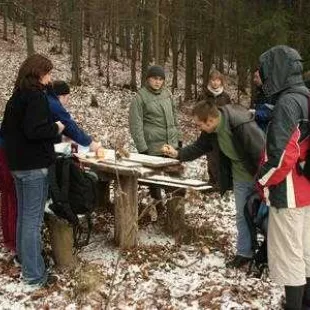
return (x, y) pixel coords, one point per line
(162, 272)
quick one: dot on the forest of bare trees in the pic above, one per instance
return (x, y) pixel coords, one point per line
(229, 34)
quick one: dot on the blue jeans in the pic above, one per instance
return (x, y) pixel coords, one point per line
(241, 191)
(31, 190)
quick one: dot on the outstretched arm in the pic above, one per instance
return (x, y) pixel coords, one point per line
(72, 130)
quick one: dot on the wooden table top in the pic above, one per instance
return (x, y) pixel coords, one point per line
(138, 164)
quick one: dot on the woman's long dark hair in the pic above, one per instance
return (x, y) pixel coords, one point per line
(31, 71)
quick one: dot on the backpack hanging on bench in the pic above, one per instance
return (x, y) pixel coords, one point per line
(73, 192)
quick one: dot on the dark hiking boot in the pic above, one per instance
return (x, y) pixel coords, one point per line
(306, 297)
(238, 261)
(51, 280)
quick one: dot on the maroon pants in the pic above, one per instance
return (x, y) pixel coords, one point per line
(8, 204)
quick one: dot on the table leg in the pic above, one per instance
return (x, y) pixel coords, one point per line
(126, 211)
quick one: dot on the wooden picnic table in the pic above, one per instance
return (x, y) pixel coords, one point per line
(126, 172)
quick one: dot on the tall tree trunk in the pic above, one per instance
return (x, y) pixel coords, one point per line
(163, 29)
(175, 57)
(114, 14)
(14, 18)
(147, 28)
(121, 39)
(76, 34)
(65, 23)
(29, 18)
(108, 82)
(133, 82)
(156, 33)
(128, 42)
(5, 10)
(89, 48)
(98, 42)
(190, 65)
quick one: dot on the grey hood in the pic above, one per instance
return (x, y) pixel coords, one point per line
(280, 68)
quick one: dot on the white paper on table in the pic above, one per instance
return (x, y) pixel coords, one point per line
(83, 149)
(63, 147)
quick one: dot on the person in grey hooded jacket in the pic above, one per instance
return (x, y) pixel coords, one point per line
(285, 187)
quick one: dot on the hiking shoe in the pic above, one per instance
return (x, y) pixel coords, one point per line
(238, 261)
(51, 280)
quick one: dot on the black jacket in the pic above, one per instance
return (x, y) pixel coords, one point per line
(248, 140)
(219, 100)
(28, 131)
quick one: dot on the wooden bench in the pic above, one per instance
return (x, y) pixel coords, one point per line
(174, 182)
(175, 219)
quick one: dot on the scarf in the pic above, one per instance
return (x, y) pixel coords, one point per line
(215, 92)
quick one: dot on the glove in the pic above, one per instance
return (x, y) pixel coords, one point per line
(180, 144)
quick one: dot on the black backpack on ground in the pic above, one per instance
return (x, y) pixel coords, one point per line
(256, 215)
(73, 192)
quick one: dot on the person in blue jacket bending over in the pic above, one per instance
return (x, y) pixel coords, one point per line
(58, 97)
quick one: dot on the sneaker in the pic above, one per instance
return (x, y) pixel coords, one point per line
(29, 288)
(51, 280)
(238, 261)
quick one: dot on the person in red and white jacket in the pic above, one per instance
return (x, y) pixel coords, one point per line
(286, 189)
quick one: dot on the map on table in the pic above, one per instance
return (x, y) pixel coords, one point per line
(107, 161)
(152, 161)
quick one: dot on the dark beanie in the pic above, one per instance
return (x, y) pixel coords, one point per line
(155, 71)
(61, 88)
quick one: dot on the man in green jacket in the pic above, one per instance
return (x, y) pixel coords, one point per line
(234, 131)
(152, 115)
(153, 118)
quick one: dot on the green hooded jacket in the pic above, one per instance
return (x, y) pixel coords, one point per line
(153, 121)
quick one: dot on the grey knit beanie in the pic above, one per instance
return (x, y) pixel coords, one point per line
(61, 88)
(156, 71)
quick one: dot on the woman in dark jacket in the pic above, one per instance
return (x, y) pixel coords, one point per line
(29, 134)
(214, 93)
